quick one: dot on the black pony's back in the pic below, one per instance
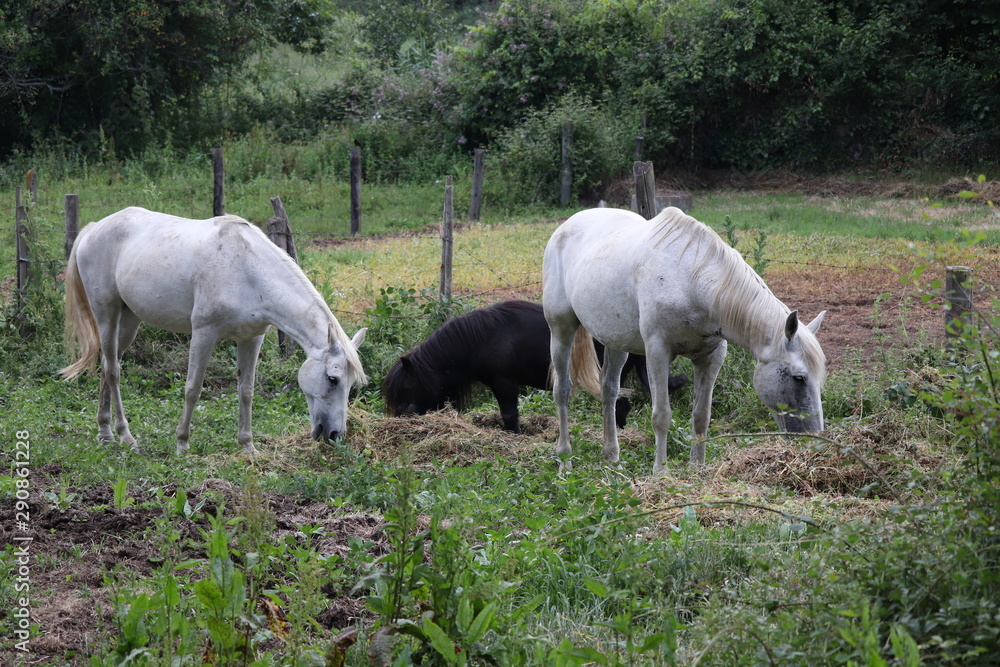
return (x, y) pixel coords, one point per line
(504, 346)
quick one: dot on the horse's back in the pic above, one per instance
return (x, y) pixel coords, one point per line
(587, 270)
(612, 270)
(158, 264)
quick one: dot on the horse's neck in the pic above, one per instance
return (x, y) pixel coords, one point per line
(297, 309)
(752, 319)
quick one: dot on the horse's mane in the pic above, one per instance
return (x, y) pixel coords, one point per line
(351, 353)
(457, 338)
(741, 299)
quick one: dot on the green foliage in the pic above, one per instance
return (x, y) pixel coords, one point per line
(394, 30)
(99, 69)
(528, 156)
(400, 318)
(745, 83)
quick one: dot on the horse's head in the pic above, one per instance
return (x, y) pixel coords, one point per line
(326, 379)
(407, 390)
(790, 375)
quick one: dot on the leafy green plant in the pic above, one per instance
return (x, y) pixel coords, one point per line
(119, 494)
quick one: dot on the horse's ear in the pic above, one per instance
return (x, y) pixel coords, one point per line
(405, 360)
(792, 324)
(814, 325)
(359, 338)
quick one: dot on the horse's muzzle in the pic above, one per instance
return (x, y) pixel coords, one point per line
(321, 432)
(797, 423)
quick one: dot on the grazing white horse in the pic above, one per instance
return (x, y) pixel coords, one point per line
(216, 279)
(666, 287)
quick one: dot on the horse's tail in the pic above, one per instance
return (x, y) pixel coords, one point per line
(82, 336)
(584, 368)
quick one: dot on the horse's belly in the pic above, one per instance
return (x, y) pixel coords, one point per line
(161, 315)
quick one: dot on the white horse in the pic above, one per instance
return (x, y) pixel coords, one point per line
(216, 279)
(666, 287)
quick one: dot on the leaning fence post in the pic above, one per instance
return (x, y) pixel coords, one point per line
(23, 261)
(959, 313)
(478, 167)
(72, 215)
(219, 177)
(280, 232)
(645, 189)
(447, 240)
(566, 177)
(355, 190)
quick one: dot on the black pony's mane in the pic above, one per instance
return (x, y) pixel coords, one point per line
(448, 349)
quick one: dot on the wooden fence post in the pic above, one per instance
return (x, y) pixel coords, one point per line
(959, 314)
(645, 189)
(478, 169)
(566, 177)
(638, 147)
(23, 260)
(447, 240)
(280, 232)
(31, 183)
(355, 190)
(219, 197)
(72, 215)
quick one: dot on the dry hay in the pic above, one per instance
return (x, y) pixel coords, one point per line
(985, 192)
(442, 436)
(768, 481)
(777, 478)
(871, 460)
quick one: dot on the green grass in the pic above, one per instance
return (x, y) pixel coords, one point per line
(911, 219)
(599, 566)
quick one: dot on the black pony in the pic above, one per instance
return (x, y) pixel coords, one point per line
(504, 346)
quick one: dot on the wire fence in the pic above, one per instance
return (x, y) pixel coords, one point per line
(504, 282)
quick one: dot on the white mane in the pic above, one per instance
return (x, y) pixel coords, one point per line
(353, 360)
(741, 300)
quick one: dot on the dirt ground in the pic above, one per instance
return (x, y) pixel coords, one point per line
(76, 543)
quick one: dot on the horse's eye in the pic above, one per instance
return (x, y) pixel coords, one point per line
(334, 380)
(800, 378)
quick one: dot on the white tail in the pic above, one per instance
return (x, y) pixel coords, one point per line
(82, 336)
(584, 368)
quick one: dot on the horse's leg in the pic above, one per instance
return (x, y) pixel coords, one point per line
(560, 347)
(110, 377)
(506, 391)
(202, 343)
(658, 358)
(706, 370)
(246, 370)
(108, 317)
(128, 326)
(611, 380)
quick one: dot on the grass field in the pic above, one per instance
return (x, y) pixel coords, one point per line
(443, 539)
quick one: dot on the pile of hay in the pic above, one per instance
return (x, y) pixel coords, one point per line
(870, 463)
(987, 191)
(443, 436)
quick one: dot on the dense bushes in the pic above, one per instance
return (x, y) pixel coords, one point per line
(744, 83)
(749, 83)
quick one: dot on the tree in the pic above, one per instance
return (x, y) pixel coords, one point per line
(119, 70)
